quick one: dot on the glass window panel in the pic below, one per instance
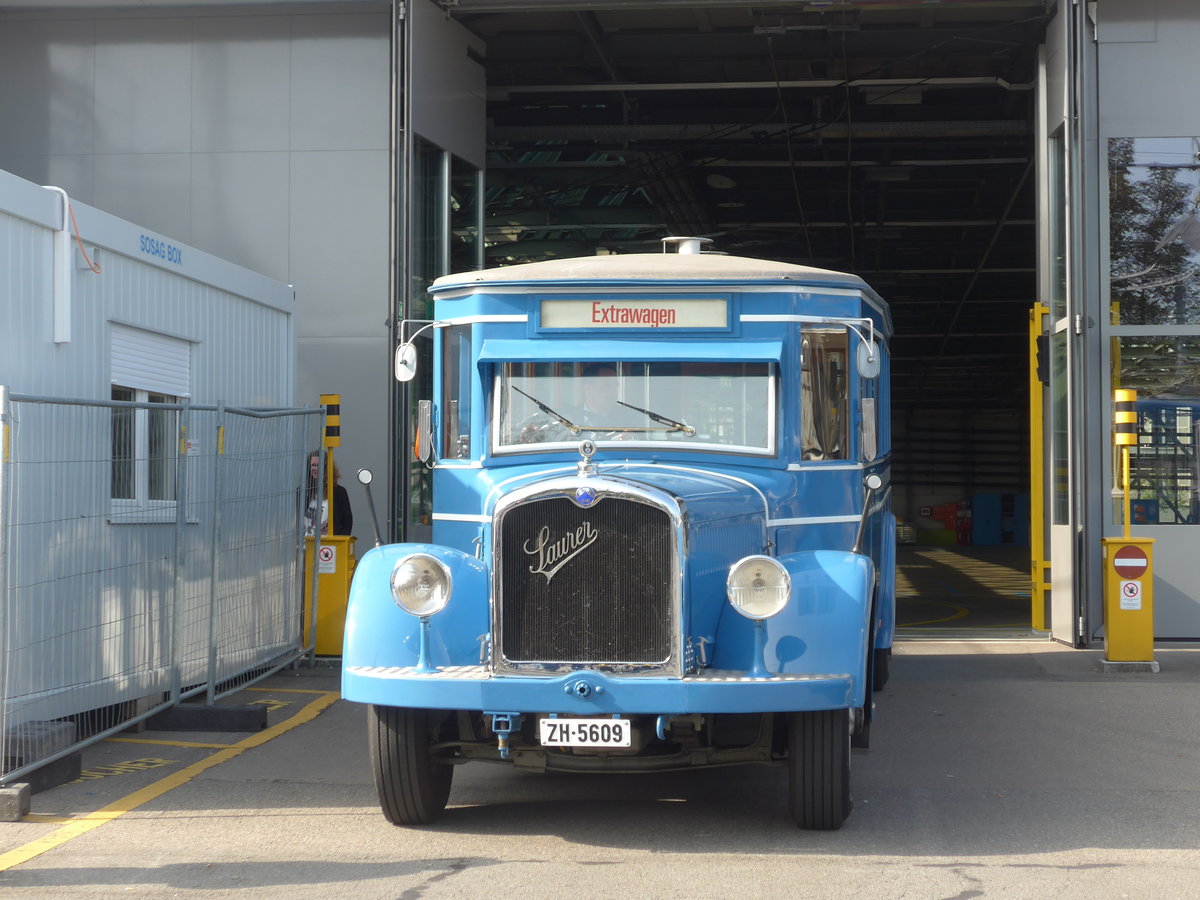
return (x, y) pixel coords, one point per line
(1060, 449)
(122, 447)
(1164, 475)
(824, 395)
(161, 432)
(690, 405)
(464, 216)
(1154, 230)
(456, 392)
(144, 453)
(1057, 226)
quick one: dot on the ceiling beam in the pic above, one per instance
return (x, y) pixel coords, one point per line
(619, 134)
(503, 91)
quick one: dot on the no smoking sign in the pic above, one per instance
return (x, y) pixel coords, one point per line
(326, 560)
(1131, 595)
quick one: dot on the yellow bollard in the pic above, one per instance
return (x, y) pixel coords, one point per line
(1129, 603)
(335, 569)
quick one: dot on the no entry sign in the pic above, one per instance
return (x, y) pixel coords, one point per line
(1130, 562)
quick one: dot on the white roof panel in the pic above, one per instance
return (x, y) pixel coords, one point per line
(641, 267)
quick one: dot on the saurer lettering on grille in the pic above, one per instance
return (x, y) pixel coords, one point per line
(551, 555)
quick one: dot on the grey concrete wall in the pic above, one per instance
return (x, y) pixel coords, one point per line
(1145, 65)
(259, 138)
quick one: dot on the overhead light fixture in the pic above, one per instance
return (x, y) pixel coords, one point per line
(719, 181)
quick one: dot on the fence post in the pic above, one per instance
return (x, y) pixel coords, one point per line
(181, 499)
(5, 458)
(214, 572)
(314, 549)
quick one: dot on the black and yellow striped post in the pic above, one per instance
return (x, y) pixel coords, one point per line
(331, 437)
(1125, 425)
(333, 420)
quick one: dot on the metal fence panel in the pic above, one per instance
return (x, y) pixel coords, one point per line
(259, 542)
(113, 606)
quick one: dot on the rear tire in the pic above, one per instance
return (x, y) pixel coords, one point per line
(819, 768)
(413, 787)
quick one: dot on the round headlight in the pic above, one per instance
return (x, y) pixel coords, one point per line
(421, 584)
(758, 587)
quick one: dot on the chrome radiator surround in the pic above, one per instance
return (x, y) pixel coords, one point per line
(587, 575)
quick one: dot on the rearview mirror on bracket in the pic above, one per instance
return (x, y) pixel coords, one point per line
(868, 359)
(406, 362)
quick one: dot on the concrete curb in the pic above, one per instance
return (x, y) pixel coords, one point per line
(14, 802)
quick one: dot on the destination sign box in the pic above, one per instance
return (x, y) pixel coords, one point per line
(682, 312)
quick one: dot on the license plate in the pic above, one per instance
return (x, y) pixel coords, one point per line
(586, 732)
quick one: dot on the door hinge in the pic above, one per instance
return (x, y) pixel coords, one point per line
(1081, 629)
(1078, 324)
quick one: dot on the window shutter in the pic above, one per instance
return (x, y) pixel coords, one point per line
(151, 362)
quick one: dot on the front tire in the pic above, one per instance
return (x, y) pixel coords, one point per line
(819, 768)
(413, 786)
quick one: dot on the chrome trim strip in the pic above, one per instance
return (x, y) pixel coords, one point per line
(473, 320)
(826, 467)
(820, 320)
(481, 673)
(460, 517)
(813, 520)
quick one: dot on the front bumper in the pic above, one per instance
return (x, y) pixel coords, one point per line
(585, 691)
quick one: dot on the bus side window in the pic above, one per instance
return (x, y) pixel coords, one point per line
(823, 394)
(456, 392)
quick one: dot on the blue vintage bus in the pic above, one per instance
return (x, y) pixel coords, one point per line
(662, 530)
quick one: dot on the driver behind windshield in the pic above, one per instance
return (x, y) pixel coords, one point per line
(601, 388)
(600, 409)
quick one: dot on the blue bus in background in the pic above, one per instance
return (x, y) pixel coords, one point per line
(662, 530)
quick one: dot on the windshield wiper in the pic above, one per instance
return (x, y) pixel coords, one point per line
(560, 419)
(662, 420)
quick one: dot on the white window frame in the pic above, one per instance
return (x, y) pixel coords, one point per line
(148, 364)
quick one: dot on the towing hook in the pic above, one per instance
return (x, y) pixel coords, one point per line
(583, 689)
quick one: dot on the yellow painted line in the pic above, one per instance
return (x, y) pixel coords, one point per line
(117, 808)
(959, 612)
(200, 744)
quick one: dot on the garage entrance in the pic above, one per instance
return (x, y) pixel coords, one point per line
(894, 140)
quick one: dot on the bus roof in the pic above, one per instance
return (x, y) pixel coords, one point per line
(650, 267)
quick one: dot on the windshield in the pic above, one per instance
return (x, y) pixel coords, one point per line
(695, 405)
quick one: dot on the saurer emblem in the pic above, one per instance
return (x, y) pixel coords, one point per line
(550, 556)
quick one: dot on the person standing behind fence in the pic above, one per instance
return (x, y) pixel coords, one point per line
(343, 515)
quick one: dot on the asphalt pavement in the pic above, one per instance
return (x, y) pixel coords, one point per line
(1012, 768)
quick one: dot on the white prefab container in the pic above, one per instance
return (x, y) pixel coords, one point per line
(111, 593)
(65, 325)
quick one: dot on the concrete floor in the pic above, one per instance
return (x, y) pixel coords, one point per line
(963, 589)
